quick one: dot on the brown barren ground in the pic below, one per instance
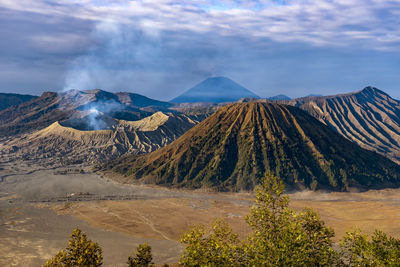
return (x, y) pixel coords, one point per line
(158, 219)
(169, 218)
(375, 209)
(36, 215)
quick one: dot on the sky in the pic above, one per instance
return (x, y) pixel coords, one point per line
(160, 48)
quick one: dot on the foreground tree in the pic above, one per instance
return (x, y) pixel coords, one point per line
(142, 258)
(80, 252)
(220, 247)
(281, 237)
(378, 250)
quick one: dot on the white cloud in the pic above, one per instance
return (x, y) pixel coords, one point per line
(316, 22)
(152, 43)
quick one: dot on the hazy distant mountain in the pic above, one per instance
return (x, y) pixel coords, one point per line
(232, 149)
(370, 118)
(311, 95)
(279, 97)
(215, 90)
(141, 101)
(50, 107)
(8, 100)
(63, 143)
(130, 100)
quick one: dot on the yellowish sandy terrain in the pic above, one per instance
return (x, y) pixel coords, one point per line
(37, 213)
(168, 218)
(158, 219)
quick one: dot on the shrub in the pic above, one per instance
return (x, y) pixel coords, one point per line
(142, 257)
(80, 252)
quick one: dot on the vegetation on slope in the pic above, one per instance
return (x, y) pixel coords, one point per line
(231, 150)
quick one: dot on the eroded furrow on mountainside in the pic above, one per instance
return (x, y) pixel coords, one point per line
(369, 118)
(233, 148)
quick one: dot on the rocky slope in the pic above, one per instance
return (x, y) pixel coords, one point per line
(8, 100)
(61, 144)
(141, 101)
(370, 118)
(279, 97)
(234, 147)
(34, 114)
(50, 107)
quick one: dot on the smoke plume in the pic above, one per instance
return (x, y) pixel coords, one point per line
(125, 58)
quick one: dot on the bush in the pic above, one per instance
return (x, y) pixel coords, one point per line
(280, 237)
(220, 248)
(379, 250)
(142, 258)
(80, 252)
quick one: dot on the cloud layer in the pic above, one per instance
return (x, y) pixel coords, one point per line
(162, 47)
(370, 23)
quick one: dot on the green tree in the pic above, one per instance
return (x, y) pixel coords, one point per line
(354, 249)
(358, 249)
(220, 247)
(385, 249)
(317, 244)
(142, 257)
(282, 237)
(80, 252)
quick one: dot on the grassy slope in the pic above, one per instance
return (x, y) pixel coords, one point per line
(232, 149)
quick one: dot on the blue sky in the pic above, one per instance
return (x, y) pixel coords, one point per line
(160, 48)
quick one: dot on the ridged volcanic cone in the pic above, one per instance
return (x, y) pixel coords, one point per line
(233, 148)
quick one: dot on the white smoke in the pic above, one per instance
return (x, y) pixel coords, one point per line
(99, 115)
(88, 71)
(137, 58)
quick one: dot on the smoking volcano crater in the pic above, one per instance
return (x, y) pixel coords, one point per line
(93, 120)
(97, 137)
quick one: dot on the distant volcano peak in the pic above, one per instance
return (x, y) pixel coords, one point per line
(218, 79)
(216, 90)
